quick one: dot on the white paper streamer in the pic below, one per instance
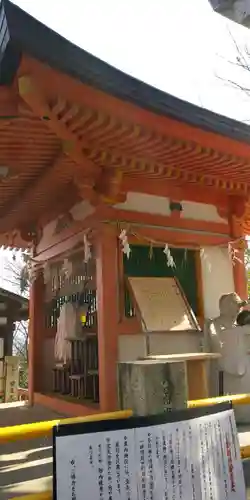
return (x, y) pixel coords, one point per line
(170, 260)
(87, 249)
(67, 268)
(46, 273)
(124, 242)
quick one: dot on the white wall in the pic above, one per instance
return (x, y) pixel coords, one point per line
(142, 203)
(147, 203)
(131, 347)
(217, 278)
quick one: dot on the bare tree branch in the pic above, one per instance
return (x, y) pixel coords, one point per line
(241, 62)
(14, 267)
(237, 85)
(241, 58)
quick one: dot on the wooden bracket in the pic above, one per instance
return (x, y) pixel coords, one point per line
(238, 206)
(71, 146)
(109, 186)
(31, 234)
(93, 183)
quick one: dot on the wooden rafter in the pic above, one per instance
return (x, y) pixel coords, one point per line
(124, 111)
(8, 103)
(30, 93)
(34, 190)
(97, 152)
(107, 140)
(91, 181)
(104, 159)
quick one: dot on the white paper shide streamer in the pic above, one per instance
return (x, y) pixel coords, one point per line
(124, 243)
(67, 268)
(232, 252)
(169, 257)
(87, 249)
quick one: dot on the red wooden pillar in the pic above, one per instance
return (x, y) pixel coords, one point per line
(36, 330)
(239, 270)
(107, 315)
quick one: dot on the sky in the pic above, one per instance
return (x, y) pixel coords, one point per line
(179, 46)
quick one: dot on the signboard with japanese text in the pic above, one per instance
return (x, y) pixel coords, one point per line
(12, 364)
(161, 304)
(184, 455)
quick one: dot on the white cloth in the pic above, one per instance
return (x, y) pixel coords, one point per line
(66, 327)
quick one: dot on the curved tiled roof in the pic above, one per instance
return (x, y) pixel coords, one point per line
(19, 299)
(20, 32)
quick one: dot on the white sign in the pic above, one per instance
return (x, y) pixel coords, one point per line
(195, 459)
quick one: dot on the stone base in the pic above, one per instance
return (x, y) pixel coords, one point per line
(149, 387)
(242, 414)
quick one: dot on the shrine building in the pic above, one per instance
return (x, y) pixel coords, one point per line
(13, 309)
(104, 178)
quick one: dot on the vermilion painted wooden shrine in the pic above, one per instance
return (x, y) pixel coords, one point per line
(95, 164)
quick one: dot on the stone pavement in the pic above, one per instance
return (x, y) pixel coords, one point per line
(25, 466)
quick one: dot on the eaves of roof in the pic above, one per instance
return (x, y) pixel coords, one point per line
(21, 34)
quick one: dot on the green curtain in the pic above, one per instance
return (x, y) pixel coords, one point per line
(146, 262)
